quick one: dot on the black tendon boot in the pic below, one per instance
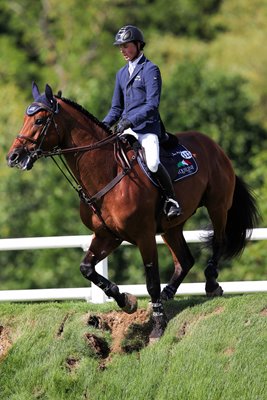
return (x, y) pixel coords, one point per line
(171, 206)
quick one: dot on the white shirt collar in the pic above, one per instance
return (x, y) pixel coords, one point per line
(132, 64)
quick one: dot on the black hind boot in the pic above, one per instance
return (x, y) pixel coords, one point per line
(171, 206)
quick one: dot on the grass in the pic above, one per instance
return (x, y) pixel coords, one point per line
(212, 349)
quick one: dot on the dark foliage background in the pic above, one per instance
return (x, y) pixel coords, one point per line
(212, 59)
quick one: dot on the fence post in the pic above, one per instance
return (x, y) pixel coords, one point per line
(98, 296)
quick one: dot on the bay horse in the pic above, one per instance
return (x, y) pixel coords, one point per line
(118, 202)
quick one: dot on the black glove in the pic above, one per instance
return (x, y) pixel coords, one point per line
(106, 125)
(122, 125)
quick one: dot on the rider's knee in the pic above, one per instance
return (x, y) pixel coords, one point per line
(153, 166)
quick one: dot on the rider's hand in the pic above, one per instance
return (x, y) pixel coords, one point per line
(122, 125)
(106, 125)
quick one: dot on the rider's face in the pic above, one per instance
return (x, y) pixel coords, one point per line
(129, 51)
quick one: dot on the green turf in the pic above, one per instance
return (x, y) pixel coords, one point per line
(212, 349)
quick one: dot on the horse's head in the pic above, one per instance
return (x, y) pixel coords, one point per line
(33, 138)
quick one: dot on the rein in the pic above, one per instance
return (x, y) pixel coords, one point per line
(124, 162)
(121, 159)
(119, 154)
(58, 151)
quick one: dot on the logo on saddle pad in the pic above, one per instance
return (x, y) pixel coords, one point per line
(186, 165)
(183, 163)
(179, 162)
(186, 154)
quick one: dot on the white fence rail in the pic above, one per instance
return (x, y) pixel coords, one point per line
(96, 295)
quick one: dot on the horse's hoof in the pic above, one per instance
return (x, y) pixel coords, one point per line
(159, 324)
(164, 296)
(216, 293)
(130, 303)
(167, 293)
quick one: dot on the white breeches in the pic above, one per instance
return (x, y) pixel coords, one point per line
(150, 143)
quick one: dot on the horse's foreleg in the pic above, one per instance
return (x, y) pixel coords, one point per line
(149, 255)
(178, 247)
(87, 267)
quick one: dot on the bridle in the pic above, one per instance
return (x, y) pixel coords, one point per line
(57, 150)
(38, 152)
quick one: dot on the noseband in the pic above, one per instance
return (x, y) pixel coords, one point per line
(38, 152)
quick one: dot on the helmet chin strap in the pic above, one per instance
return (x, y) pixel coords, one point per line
(138, 50)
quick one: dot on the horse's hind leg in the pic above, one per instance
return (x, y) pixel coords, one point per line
(217, 242)
(98, 250)
(211, 272)
(182, 258)
(212, 287)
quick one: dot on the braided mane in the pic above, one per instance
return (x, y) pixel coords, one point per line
(85, 112)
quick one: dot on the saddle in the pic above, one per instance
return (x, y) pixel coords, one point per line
(176, 158)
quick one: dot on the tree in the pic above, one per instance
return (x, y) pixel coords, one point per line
(69, 45)
(198, 98)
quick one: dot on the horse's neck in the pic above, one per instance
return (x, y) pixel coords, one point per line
(81, 131)
(93, 168)
(78, 128)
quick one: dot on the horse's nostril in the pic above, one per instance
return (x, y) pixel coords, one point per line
(13, 157)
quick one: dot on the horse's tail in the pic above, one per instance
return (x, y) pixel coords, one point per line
(242, 217)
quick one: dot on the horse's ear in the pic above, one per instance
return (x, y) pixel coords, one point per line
(35, 91)
(49, 93)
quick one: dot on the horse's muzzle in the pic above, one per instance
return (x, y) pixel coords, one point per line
(21, 159)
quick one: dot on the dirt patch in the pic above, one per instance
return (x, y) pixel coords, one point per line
(217, 310)
(229, 351)
(187, 326)
(129, 332)
(182, 331)
(62, 325)
(98, 345)
(125, 326)
(72, 363)
(5, 342)
(263, 312)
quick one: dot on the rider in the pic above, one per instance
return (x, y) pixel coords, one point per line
(135, 105)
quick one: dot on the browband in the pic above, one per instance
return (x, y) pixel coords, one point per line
(35, 107)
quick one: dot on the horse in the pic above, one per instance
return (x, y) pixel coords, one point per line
(118, 201)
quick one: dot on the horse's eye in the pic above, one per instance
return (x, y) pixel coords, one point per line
(40, 121)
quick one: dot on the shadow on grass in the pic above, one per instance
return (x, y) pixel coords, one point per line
(176, 306)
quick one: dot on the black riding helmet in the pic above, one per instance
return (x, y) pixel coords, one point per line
(129, 33)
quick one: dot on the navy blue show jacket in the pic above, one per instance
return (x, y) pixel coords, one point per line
(137, 97)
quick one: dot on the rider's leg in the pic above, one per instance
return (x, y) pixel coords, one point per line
(150, 143)
(171, 206)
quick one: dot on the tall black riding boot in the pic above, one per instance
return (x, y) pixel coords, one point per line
(171, 206)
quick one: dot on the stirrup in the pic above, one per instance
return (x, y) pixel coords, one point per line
(171, 208)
